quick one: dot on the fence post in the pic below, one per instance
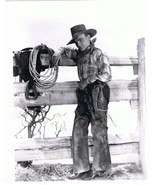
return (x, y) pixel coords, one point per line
(141, 101)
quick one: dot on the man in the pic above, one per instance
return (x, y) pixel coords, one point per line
(93, 97)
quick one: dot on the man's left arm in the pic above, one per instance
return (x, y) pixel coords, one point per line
(104, 69)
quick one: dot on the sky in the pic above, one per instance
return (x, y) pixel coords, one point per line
(119, 23)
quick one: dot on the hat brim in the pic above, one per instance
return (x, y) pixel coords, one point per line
(91, 32)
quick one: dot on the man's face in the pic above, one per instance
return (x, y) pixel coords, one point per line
(82, 42)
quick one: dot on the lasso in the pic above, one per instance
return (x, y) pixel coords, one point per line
(47, 79)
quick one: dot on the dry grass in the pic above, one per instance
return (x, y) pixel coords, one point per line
(59, 172)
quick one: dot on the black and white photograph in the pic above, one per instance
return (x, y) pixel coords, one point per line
(77, 74)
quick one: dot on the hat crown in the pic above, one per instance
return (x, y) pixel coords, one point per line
(78, 29)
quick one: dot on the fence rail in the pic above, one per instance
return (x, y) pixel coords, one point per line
(64, 93)
(113, 60)
(121, 146)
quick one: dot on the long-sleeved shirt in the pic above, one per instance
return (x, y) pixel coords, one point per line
(92, 65)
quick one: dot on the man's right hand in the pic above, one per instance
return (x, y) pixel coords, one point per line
(68, 52)
(83, 84)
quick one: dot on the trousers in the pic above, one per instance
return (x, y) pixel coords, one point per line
(91, 109)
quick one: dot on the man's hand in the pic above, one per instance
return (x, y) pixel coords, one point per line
(68, 52)
(83, 84)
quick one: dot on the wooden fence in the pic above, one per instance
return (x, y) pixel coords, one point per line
(123, 148)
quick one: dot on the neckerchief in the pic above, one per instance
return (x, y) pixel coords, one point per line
(87, 50)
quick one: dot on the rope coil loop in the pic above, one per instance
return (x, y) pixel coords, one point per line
(47, 79)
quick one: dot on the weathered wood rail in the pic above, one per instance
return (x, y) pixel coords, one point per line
(126, 148)
(123, 148)
(121, 90)
(64, 93)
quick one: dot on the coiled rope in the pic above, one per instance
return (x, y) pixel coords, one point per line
(47, 79)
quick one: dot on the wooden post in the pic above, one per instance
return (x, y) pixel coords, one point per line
(142, 101)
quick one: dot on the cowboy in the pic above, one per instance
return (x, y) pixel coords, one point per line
(93, 97)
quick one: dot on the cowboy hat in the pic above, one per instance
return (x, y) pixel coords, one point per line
(78, 30)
